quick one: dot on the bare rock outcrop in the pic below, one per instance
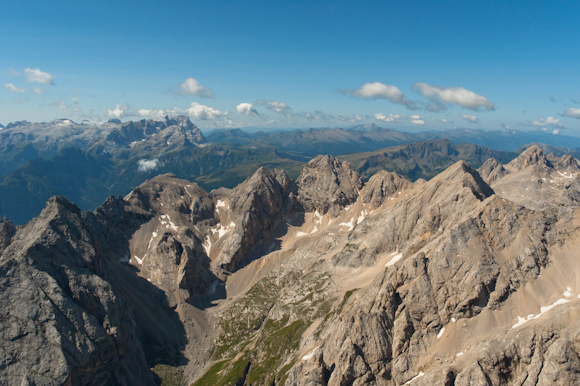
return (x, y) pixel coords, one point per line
(492, 171)
(381, 186)
(532, 156)
(61, 322)
(256, 204)
(326, 185)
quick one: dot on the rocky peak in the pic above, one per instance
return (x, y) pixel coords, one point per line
(7, 231)
(491, 171)
(532, 156)
(327, 185)
(257, 205)
(461, 175)
(383, 185)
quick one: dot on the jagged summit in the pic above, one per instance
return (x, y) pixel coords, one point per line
(178, 129)
(532, 156)
(492, 171)
(325, 184)
(461, 175)
(383, 185)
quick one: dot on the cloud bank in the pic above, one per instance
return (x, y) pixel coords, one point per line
(192, 87)
(454, 95)
(13, 88)
(378, 90)
(387, 118)
(34, 75)
(550, 121)
(279, 107)
(469, 118)
(147, 165)
(246, 109)
(572, 112)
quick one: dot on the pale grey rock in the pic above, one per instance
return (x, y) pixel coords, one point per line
(492, 171)
(258, 204)
(383, 185)
(326, 185)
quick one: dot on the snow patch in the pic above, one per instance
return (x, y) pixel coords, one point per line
(140, 261)
(153, 235)
(567, 293)
(221, 230)
(441, 333)
(415, 377)
(206, 245)
(310, 354)
(220, 203)
(459, 354)
(362, 216)
(394, 259)
(318, 217)
(349, 224)
(314, 230)
(543, 310)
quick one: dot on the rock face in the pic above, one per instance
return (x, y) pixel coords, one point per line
(492, 171)
(62, 322)
(532, 156)
(258, 203)
(382, 186)
(326, 185)
(157, 134)
(325, 281)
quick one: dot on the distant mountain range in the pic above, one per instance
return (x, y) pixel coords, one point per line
(86, 163)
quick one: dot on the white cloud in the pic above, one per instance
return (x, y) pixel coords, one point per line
(572, 112)
(353, 118)
(119, 112)
(556, 131)
(414, 117)
(246, 109)
(455, 95)
(550, 121)
(387, 118)
(417, 122)
(202, 112)
(378, 90)
(192, 87)
(38, 90)
(34, 75)
(315, 116)
(443, 120)
(59, 105)
(13, 88)
(470, 118)
(147, 165)
(279, 107)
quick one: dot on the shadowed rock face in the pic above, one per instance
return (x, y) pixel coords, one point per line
(326, 185)
(62, 322)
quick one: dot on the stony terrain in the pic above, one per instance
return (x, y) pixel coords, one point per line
(466, 279)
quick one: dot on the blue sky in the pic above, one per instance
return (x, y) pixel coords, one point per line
(409, 65)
